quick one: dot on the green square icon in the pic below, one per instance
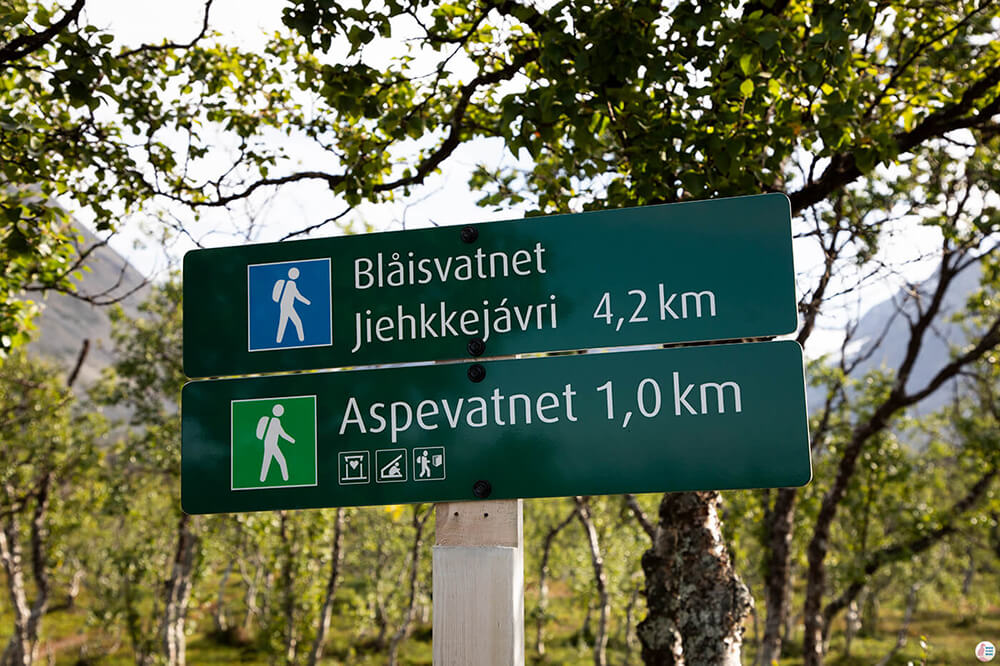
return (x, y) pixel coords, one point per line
(273, 443)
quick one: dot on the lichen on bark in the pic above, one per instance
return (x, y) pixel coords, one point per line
(696, 602)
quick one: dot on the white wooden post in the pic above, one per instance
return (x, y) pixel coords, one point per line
(479, 584)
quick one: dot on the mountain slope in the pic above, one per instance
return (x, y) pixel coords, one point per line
(66, 321)
(883, 332)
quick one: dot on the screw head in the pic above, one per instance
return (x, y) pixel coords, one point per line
(476, 347)
(477, 372)
(482, 489)
(469, 234)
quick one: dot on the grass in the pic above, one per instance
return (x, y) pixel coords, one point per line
(941, 636)
(934, 637)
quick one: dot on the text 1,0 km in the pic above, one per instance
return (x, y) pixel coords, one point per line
(687, 398)
(670, 305)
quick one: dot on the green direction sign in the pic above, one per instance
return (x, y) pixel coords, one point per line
(691, 418)
(709, 270)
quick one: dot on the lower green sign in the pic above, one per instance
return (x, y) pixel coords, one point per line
(696, 418)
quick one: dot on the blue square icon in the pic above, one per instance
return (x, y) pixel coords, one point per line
(289, 305)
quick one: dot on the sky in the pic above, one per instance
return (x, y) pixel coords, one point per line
(444, 200)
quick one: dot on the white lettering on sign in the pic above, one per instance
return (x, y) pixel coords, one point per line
(672, 306)
(378, 272)
(647, 398)
(681, 397)
(687, 297)
(422, 321)
(472, 411)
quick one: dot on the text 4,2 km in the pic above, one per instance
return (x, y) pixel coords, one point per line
(670, 305)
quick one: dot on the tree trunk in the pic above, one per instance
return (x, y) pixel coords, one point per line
(252, 583)
(326, 612)
(74, 587)
(178, 594)
(581, 635)
(219, 617)
(418, 539)
(870, 611)
(911, 607)
(640, 516)
(288, 589)
(597, 561)
(996, 533)
(777, 574)
(851, 628)
(543, 586)
(791, 621)
(812, 640)
(629, 638)
(696, 602)
(970, 572)
(20, 650)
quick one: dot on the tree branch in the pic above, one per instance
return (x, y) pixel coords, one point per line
(776, 8)
(166, 46)
(843, 168)
(920, 48)
(907, 549)
(423, 169)
(633, 504)
(810, 311)
(458, 116)
(27, 44)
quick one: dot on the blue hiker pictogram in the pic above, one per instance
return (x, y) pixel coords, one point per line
(285, 293)
(289, 305)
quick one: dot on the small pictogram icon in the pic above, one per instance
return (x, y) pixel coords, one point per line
(390, 465)
(428, 463)
(355, 467)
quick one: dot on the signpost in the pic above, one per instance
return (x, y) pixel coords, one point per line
(692, 418)
(707, 270)
(706, 417)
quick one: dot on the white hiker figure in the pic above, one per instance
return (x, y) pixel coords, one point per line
(425, 464)
(269, 429)
(285, 293)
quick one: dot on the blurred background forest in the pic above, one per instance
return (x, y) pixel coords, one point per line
(880, 120)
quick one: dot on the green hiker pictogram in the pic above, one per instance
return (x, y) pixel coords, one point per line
(274, 443)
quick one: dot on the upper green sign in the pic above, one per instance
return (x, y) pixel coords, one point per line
(708, 417)
(708, 270)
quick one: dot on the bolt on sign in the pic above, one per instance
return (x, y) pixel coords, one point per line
(690, 418)
(698, 271)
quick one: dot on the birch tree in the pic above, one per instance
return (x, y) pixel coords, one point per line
(48, 446)
(871, 117)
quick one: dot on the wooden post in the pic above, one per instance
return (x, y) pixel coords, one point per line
(479, 584)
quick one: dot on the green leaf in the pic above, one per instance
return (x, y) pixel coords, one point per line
(768, 39)
(746, 88)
